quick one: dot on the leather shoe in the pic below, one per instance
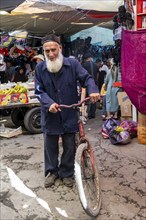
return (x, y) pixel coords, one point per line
(50, 180)
(68, 181)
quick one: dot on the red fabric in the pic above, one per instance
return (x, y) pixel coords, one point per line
(4, 51)
(97, 14)
(133, 60)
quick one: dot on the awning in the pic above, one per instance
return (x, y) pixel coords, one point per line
(41, 17)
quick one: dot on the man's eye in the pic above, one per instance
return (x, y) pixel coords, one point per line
(47, 51)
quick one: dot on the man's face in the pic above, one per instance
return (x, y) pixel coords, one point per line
(53, 56)
(51, 50)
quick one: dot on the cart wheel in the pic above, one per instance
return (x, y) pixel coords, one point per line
(32, 120)
(17, 116)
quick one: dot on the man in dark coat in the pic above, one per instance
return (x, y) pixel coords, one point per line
(56, 83)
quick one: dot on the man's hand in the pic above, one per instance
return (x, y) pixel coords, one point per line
(54, 108)
(94, 97)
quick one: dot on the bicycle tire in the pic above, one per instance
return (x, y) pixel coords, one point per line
(87, 186)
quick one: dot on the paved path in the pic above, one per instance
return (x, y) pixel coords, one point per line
(122, 180)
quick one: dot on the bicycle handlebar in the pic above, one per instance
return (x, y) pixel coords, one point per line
(74, 105)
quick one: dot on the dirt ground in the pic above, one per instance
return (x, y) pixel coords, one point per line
(122, 180)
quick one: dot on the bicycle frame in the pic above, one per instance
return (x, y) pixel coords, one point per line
(83, 139)
(82, 136)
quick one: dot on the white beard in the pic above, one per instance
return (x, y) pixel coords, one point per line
(54, 66)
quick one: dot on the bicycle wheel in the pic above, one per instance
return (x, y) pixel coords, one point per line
(87, 180)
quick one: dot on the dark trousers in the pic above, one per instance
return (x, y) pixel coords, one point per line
(65, 166)
(91, 109)
(103, 112)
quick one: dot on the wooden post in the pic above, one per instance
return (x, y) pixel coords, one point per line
(141, 128)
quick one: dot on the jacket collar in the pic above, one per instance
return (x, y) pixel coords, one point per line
(65, 63)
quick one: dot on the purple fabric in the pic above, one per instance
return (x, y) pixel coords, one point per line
(133, 60)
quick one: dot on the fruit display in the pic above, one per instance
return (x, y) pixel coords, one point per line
(17, 89)
(13, 95)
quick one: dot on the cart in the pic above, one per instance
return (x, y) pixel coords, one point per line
(27, 114)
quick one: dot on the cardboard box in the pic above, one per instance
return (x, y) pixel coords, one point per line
(125, 104)
(126, 118)
(123, 98)
(126, 110)
(141, 135)
(141, 119)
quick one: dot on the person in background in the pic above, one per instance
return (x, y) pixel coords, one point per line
(103, 100)
(103, 70)
(20, 75)
(111, 94)
(108, 63)
(10, 71)
(28, 69)
(3, 77)
(38, 58)
(56, 83)
(92, 69)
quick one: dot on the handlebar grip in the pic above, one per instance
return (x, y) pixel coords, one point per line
(74, 105)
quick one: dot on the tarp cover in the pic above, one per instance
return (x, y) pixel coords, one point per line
(99, 5)
(134, 67)
(9, 5)
(64, 17)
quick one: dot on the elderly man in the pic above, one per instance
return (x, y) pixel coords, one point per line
(56, 83)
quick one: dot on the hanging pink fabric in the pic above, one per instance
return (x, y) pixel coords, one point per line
(133, 60)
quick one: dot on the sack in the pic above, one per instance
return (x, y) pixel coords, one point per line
(119, 137)
(108, 126)
(130, 126)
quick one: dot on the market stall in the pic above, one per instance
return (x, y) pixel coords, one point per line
(25, 106)
(134, 66)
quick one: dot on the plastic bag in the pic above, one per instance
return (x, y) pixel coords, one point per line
(108, 126)
(131, 127)
(119, 137)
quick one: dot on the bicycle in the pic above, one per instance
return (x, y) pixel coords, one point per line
(86, 172)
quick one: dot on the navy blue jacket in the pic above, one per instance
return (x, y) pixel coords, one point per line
(61, 88)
